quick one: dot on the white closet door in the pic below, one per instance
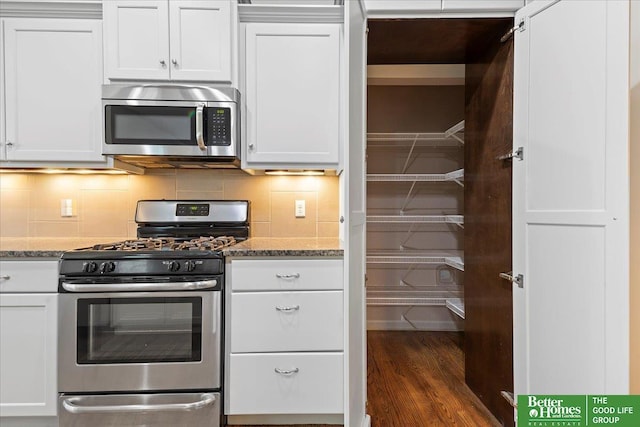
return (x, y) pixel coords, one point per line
(355, 208)
(570, 203)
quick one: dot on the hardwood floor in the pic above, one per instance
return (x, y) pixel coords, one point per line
(416, 379)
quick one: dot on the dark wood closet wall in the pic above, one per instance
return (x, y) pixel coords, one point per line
(487, 206)
(487, 249)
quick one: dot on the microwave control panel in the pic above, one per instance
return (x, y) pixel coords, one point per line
(218, 126)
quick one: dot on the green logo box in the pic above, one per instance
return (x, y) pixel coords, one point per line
(536, 410)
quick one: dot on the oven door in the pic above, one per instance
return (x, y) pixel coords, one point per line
(131, 341)
(140, 410)
(169, 128)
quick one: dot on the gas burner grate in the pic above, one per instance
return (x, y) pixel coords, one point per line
(207, 243)
(168, 243)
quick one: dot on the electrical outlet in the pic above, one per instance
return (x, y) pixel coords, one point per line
(300, 209)
(66, 207)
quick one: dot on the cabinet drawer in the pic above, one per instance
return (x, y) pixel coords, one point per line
(281, 275)
(287, 321)
(28, 276)
(315, 388)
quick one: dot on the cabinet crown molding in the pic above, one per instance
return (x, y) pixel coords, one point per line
(291, 14)
(51, 9)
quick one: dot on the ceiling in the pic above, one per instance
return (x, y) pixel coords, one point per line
(431, 41)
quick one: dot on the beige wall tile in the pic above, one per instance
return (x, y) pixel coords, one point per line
(283, 221)
(200, 195)
(260, 229)
(103, 213)
(256, 189)
(146, 187)
(104, 205)
(14, 212)
(328, 229)
(329, 199)
(15, 181)
(196, 180)
(104, 182)
(54, 229)
(296, 183)
(47, 192)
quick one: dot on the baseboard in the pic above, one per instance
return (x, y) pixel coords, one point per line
(421, 325)
(284, 419)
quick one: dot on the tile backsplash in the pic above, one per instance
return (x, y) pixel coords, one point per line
(104, 205)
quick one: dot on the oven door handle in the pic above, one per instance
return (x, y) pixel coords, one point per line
(141, 287)
(74, 405)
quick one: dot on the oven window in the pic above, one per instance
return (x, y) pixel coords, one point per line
(139, 330)
(150, 125)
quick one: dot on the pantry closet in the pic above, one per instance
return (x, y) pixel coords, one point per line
(438, 194)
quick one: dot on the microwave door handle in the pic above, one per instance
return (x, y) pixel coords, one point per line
(200, 127)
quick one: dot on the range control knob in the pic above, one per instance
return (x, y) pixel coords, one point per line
(173, 266)
(89, 267)
(107, 267)
(190, 265)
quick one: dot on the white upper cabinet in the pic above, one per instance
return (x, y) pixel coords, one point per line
(168, 39)
(410, 7)
(52, 76)
(481, 6)
(292, 92)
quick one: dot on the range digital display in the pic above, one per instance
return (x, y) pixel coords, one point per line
(195, 209)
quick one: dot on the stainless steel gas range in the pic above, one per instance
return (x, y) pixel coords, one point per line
(140, 321)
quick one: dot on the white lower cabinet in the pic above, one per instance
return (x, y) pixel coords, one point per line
(285, 335)
(28, 338)
(286, 383)
(288, 321)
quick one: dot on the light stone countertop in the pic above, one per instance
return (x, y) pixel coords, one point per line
(33, 247)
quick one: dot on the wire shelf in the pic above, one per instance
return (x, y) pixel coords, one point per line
(456, 305)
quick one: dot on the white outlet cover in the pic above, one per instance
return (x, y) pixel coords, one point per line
(300, 209)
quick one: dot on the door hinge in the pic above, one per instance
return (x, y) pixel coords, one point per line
(518, 154)
(509, 34)
(508, 396)
(518, 279)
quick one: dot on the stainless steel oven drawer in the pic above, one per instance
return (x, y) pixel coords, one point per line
(140, 410)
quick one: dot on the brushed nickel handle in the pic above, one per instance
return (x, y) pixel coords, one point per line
(163, 63)
(287, 372)
(288, 276)
(74, 405)
(200, 126)
(5, 277)
(251, 146)
(288, 309)
(141, 287)
(174, 62)
(9, 144)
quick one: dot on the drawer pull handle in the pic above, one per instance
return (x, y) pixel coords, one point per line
(286, 372)
(5, 277)
(288, 309)
(288, 276)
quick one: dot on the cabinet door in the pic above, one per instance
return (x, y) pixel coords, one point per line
(200, 40)
(292, 92)
(481, 6)
(136, 39)
(286, 383)
(53, 73)
(571, 198)
(28, 354)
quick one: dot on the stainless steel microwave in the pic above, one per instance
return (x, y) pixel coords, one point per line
(154, 125)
